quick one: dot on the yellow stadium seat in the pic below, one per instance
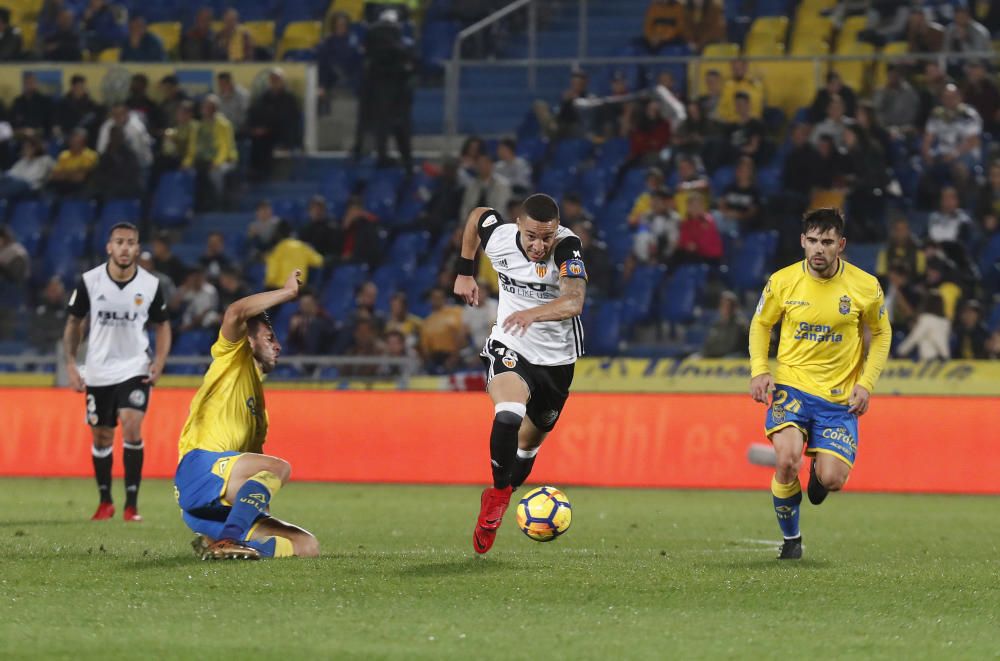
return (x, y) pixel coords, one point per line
(762, 44)
(892, 48)
(853, 72)
(262, 32)
(787, 85)
(776, 26)
(23, 11)
(169, 33)
(216, 26)
(300, 35)
(28, 34)
(355, 9)
(827, 198)
(109, 55)
(849, 31)
(810, 47)
(817, 5)
(810, 29)
(697, 69)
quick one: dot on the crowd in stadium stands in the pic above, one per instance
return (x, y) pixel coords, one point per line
(684, 195)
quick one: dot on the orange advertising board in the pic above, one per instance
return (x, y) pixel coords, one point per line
(912, 444)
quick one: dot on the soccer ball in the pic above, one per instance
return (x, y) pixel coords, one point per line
(544, 514)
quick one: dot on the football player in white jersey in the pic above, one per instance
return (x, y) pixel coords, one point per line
(119, 297)
(533, 347)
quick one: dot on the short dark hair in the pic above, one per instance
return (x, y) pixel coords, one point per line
(77, 78)
(509, 143)
(123, 226)
(572, 197)
(742, 95)
(541, 207)
(824, 219)
(224, 75)
(256, 322)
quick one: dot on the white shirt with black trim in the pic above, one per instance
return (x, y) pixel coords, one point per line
(118, 347)
(525, 284)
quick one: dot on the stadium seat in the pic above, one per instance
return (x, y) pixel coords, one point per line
(382, 193)
(114, 211)
(697, 68)
(777, 8)
(532, 149)
(300, 35)
(763, 45)
(570, 151)
(413, 198)
(853, 72)
(811, 35)
(612, 153)
(849, 30)
(891, 48)
(195, 342)
(436, 42)
(355, 9)
(419, 283)
(679, 298)
(863, 255)
(603, 332)
(556, 182)
(28, 221)
(993, 320)
(989, 264)
(387, 278)
(338, 294)
(262, 32)
(337, 186)
(637, 304)
(169, 34)
(109, 55)
(255, 11)
(294, 11)
(593, 186)
(788, 85)
(749, 265)
(173, 199)
(721, 178)
(292, 209)
(407, 249)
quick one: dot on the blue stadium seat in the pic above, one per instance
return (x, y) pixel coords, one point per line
(436, 41)
(619, 240)
(414, 197)
(570, 152)
(612, 153)
(532, 149)
(593, 186)
(556, 182)
(254, 273)
(721, 178)
(337, 186)
(863, 255)
(74, 216)
(291, 209)
(769, 180)
(680, 297)
(28, 221)
(751, 262)
(173, 199)
(382, 193)
(993, 320)
(387, 278)
(989, 264)
(114, 211)
(197, 342)
(407, 249)
(604, 331)
(640, 290)
(418, 284)
(338, 294)
(633, 183)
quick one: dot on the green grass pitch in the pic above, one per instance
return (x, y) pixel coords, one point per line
(640, 575)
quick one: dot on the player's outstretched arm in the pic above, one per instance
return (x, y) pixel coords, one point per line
(234, 322)
(465, 283)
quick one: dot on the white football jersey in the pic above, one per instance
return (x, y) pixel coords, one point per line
(525, 284)
(118, 347)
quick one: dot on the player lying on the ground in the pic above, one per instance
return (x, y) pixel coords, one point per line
(823, 381)
(533, 347)
(223, 483)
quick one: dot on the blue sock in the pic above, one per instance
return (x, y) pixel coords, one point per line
(787, 498)
(252, 502)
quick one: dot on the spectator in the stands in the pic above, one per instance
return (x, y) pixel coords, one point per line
(74, 166)
(137, 138)
(741, 206)
(950, 223)
(311, 330)
(690, 179)
(965, 34)
(902, 297)
(365, 343)
(611, 116)
(665, 24)
(595, 256)
(648, 134)
(834, 87)
(144, 106)
(401, 320)
(364, 307)
(141, 45)
(30, 173)
(233, 42)
(981, 92)
(657, 231)
(741, 81)
(234, 101)
(699, 241)
(172, 95)
(704, 23)
(569, 121)
(468, 155)
(339, 55)
(101, 29)
(923, 35)
(828, 167)
(897, 104)
(709, 102)
(442, 334)
(798, 174)
(32, 109)
(119, 174)
(360, 234)
(834, 125)
(728, 334)
(321, 231)
(15, 262)
(901, 251)
(49, 318)
(214, 260)
(930, 90)
(166, 284)
(941, 275)
(867, 120)
(274, 121)
(746, 134)
(231, 288)
(165, 261)
(572, 211)
(288, 255)
(644, 201)
(971, 333)
(212, 153)
(76, 109)
(262, 230)
(396, 346)
(176, 140)
(445, 202)
(63, 43)
(196, 301)
(514, 168)
(866, 177)
(952, 139)
(488, 189)
(989, 193)
(198, 43)
(11, 43)
(930, 335)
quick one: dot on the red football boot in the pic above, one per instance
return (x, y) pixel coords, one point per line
(132, 514)
(104, 511)
(493, 505)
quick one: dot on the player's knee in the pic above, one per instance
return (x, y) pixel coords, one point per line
(833, 479)
(104, 438)
(281, 468)
(510, 413)
(787, 465)
(306, 546)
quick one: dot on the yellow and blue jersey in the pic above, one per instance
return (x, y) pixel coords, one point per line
(227, 413)
(821, 348)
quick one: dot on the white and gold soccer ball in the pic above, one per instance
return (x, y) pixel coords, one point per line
(544, 514)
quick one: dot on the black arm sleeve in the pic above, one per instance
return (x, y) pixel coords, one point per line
(79, 301)
(488, 222)
(569, 258)
(158, 308)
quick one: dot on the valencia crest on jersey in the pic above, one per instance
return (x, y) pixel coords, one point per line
(525, 284)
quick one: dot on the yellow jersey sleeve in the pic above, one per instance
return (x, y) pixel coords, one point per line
(876, 319)
(768, 313)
